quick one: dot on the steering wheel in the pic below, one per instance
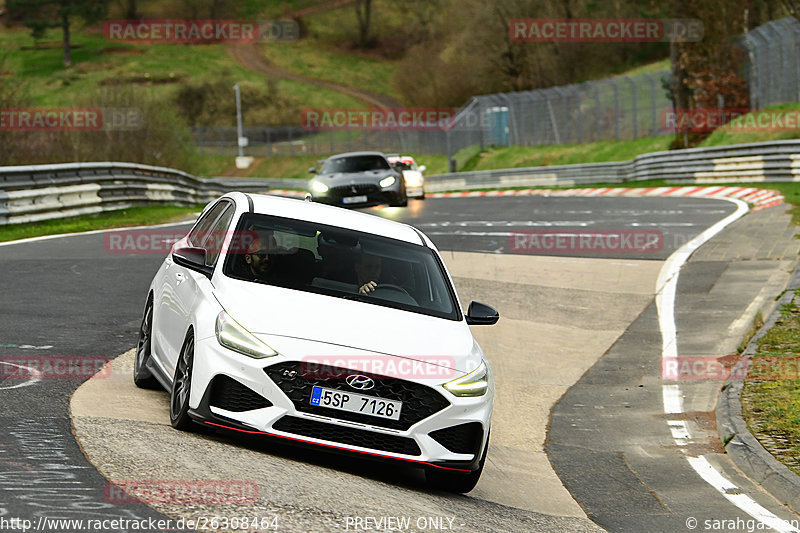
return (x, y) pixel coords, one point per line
(392, 287)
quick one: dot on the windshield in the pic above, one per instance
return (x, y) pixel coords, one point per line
(361, 163)
(341, 263)
(403, 163)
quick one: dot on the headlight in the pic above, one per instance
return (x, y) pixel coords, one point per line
(473, 384)
(232, 335)
(318, 186)
(387, 182)
(413, 179)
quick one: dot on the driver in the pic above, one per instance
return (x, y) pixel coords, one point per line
(259, 257)
(368, 270)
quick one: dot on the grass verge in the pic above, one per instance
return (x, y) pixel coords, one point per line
(565, 154)
(771, 394)
(132, 216)
(157, 68)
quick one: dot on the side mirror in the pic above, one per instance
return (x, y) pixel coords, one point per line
(422, 168)
(479, 314)
(193, 259)
(312, 170)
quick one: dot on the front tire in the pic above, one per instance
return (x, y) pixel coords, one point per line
(454, 481)
(181, 387)
(402, 197)
(142, 377)
(400, 203)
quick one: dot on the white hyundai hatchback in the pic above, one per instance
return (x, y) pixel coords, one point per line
(320, 326)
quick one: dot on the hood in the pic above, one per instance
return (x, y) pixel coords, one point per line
(274, 313)
(352, 178)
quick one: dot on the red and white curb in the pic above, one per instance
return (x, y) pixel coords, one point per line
(288, 193)
(758, 198)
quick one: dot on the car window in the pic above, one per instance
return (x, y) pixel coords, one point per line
(361, 163)
(215, 238)
(322, 259)
(202, 226)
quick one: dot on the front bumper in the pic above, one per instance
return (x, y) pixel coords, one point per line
(263, 397)
(368, 195)
(415, 192)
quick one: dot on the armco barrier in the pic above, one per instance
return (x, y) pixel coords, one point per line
(31, 193)
(755, 162)
(41, 192)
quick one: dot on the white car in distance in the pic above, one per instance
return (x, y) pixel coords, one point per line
(415, 180)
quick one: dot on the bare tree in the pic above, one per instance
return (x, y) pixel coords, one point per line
(131, 10)
(793, 7)
(423, 14)
(706, 73)
(364, 16)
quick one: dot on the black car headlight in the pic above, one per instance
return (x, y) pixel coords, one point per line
(319, 187)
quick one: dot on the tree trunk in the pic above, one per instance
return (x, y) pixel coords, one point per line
(363, 12)
(65, 29)
(680, 93)
(131, 10)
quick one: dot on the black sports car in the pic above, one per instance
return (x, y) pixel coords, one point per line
(358, 179)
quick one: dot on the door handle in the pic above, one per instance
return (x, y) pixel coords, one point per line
(179, 278)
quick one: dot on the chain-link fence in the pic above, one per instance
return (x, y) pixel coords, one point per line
(296, 140)
(772, 65)
(620, 108)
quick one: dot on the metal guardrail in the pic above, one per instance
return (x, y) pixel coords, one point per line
(41, 192)
(33, 193)
(772, 161)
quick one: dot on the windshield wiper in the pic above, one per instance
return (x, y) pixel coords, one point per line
(353, 297)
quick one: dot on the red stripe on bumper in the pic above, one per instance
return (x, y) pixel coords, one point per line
(335, 447)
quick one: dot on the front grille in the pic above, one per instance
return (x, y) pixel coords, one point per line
(355, 190)
(345, 435)
(229, 394)
(464, 438)
(296, 381)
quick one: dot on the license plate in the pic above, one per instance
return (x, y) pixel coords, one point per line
(354, 199)
(356, 403)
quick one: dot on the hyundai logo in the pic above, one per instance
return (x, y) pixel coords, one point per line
(360, 382)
